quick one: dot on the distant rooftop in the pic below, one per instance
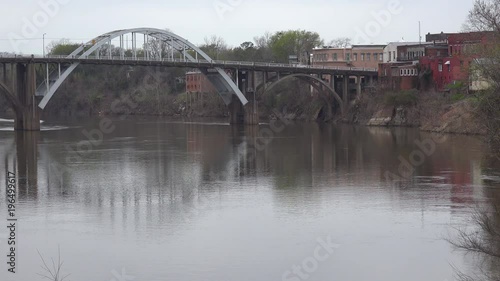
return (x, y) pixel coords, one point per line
(350, 47)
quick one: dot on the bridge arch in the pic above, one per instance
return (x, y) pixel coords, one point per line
(309, 79)
(220, 79)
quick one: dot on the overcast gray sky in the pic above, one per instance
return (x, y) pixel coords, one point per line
(234, 20)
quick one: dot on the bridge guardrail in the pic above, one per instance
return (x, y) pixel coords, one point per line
(199, 61)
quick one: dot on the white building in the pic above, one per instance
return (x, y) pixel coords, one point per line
(391, 50)
(477, 80)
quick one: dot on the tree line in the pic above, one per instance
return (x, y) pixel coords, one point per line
(276, 47)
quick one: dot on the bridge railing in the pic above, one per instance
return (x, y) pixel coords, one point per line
(199, 61)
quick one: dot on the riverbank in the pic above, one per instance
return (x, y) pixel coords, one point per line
(429, 111)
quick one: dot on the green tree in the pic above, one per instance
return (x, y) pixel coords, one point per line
(245, 52)
(294, 42)
(62, 47)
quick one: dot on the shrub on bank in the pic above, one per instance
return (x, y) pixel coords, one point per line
(403, 98)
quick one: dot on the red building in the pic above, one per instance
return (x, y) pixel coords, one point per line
(399, 75)
(197, 82)
(446, 57)
(450, 62)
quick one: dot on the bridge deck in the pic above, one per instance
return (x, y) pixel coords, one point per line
(242, 65)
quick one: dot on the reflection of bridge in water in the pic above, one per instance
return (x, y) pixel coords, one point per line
(236, 82)
(21, 158)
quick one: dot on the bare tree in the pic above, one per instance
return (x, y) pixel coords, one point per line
(341, 42)
(482, 239)
(484, 16)
(53, 270)
(215, 47)
(263, 41)
(263, 46)
(158, 48)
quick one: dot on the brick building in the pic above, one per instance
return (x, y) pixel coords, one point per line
(450, 59)
(391, 53)
(446, 57)
(366, 56)
(400, 69)
(399, 75)
(197, 82)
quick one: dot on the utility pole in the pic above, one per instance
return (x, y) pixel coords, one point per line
(419, 33)
(43, 39)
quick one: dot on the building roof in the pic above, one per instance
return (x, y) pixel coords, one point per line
(403, 43)
(324, 48)
(436, 46)
(368, 46)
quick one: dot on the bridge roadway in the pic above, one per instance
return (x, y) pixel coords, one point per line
(168, 62)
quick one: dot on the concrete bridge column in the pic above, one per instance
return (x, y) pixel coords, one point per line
(251, 108)
(4, 67)
(345, 90)
(28, 116)
(358, 86)
(332, 81)
(236, 114)
(249, 114)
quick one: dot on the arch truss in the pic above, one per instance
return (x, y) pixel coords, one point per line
(158, 45)
(316, 82)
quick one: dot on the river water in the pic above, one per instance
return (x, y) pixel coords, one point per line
(158, 199)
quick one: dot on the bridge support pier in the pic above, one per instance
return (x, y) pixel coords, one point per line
(248, 114)
(28, 115)
(358, 86)
(345, 91)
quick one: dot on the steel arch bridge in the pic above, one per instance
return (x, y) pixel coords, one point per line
(174, 43)
(240, 82)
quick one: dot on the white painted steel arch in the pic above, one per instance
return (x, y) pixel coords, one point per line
(219, 78)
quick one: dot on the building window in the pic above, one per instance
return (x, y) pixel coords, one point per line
(335, 57)
(390, 56)
(440, 67)
(394, 55)
(401, 72)
(355, 56)
(368, 57)
(362, 56)
(375, 57)
(381, 58)
(347, 57)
